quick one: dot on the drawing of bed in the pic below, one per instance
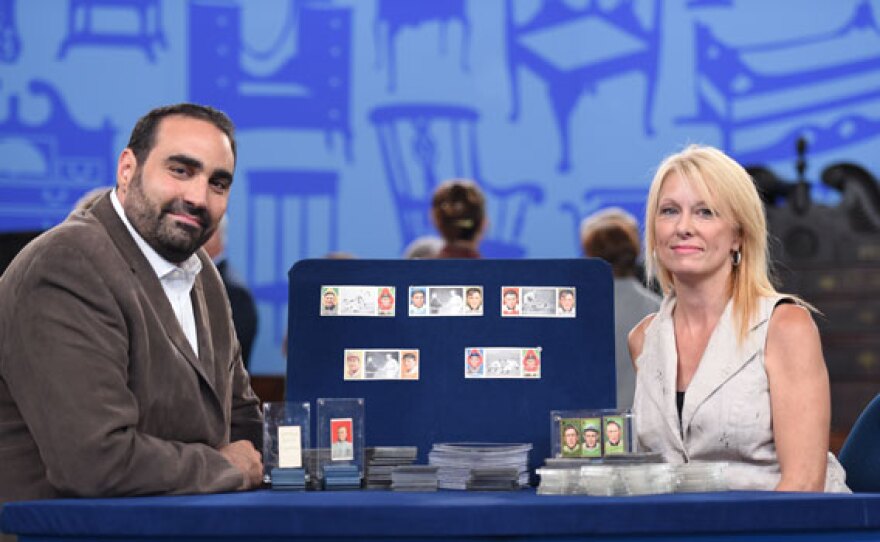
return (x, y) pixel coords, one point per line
(84, 27)
(763, 97)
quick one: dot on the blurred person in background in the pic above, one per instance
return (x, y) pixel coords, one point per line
(425, 247)
(612, 234)
(244, 308)
(458, 210)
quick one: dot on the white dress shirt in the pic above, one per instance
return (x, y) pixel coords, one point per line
(176, 280)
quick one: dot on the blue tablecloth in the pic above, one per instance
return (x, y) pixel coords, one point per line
(451, 515)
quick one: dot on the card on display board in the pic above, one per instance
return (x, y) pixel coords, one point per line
(502, 362)
(538, 301)
(381, 364)
(357, 300)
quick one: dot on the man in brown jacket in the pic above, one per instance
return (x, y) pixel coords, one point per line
(120, 371)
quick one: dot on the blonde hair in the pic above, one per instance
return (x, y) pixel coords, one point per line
(729, 190)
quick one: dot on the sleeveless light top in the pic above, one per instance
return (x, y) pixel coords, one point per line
(726, 414)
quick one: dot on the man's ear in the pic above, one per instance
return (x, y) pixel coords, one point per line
(125, 169)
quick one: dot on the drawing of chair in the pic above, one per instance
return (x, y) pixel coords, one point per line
(631, 200)
(82, 31)
(394, 16)
(308, 90)
(275, 244)
(811, 87)
(424, 144)
(574, 49)
(47, 167)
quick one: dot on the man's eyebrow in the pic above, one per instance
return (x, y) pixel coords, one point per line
(197, 164)
(186, 160)
(224, 174)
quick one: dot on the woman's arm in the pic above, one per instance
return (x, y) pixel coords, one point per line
(799, 398)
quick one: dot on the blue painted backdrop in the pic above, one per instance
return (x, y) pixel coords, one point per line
(349, 111)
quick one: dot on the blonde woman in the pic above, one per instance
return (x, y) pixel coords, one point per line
(728, 369)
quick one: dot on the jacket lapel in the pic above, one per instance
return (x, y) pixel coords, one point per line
(664, 373)
(203, 331)
(724, 357)
(146, 276)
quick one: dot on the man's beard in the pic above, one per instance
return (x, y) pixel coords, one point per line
(175, 241)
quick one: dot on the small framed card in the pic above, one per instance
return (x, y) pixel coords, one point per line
(592, 434)
(285, 435)
(340, 429)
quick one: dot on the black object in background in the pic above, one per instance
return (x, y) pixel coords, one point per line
(11, 244)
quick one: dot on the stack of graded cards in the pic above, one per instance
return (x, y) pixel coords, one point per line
(559, 481)
(289, 479)
(561, 475)
(381, 460)
(699, 476)
(645, 479)
(598, 479)
(493, 479)
(341, 477)
(457, 461)
(632, 473)
(625, 474)
(414, 478)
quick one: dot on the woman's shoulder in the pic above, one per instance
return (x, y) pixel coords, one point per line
(784, 309)
(790, 318)
(792, 333)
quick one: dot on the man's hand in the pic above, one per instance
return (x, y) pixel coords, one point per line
(245, 458)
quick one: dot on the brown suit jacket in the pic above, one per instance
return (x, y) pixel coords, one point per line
(100, 392)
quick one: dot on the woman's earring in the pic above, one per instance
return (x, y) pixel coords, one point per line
(736, 257)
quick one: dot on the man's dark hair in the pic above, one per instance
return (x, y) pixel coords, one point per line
(459, 209)
(143, 135)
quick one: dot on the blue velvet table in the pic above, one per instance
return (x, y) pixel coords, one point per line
(446, 515)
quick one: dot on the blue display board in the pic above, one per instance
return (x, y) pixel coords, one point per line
(442, 405)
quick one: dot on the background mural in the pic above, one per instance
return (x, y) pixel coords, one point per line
(351, 111)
